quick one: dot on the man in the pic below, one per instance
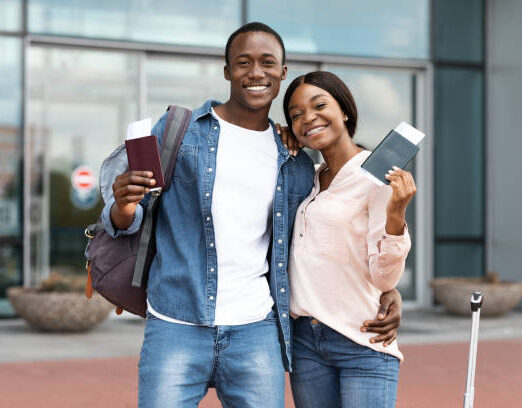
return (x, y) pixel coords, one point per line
(218, 301)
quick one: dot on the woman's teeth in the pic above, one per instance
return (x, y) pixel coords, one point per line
(314, 131)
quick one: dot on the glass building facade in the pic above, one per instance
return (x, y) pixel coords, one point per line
(73, 74)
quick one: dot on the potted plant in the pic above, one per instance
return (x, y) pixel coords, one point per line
(499, 297)
(59, 304)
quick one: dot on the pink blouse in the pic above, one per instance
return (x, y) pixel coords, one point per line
(341, 258)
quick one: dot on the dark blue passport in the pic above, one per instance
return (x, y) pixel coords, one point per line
(394, 150)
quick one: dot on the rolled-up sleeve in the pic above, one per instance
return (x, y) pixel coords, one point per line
(109, 227)
(387, 253)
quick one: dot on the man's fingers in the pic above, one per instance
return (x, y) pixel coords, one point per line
(380, 330)
(390, 341)
(133, 183)
(139, 173)
(382, 338)
(384, 308)
(391, 318)
(129, 199)
(129, 189)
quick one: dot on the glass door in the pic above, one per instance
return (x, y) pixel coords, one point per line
(79, 105)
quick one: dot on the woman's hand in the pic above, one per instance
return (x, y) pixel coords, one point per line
(288, 139)
(404, 189)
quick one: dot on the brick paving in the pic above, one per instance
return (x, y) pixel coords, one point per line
(433, 375)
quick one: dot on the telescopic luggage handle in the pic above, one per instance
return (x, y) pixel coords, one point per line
(476, 304)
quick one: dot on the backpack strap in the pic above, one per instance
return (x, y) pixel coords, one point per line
(175, 127)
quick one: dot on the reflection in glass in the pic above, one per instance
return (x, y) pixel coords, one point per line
(80, 103)
(10, 165)
(10, 15)
(184, 81)
(195, 22)
(10, 136)
(397, 28)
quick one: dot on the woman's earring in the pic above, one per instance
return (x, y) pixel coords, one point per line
(345, 118)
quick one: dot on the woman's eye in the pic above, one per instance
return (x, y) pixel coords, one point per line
(294, 117)
(320, 106)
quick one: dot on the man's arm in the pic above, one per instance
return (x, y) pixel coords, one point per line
(388, 318)
(131, 187)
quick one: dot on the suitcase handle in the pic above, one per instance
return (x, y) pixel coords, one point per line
(476, 301)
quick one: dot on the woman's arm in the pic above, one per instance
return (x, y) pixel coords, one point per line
(388, 238)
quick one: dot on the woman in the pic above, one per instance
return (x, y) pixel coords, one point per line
(350, 244)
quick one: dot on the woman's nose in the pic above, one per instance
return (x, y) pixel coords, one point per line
(309, 117)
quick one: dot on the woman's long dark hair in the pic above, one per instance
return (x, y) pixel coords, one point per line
(332, 84)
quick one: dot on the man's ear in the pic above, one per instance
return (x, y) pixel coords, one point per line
(226, 72)
(285, 68)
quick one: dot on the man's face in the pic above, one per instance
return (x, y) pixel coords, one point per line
(255, 69)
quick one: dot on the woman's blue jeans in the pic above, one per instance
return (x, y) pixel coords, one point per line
(330, 370)
(179, 362)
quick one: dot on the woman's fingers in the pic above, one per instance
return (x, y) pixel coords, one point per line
(402, 183)
(288, 139)
(284, 137)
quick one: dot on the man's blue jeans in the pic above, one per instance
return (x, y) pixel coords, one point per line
(178, 362)
(330, 370)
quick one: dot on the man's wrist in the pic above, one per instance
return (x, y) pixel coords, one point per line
(119, 220)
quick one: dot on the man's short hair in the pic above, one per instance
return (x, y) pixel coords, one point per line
(254, 27)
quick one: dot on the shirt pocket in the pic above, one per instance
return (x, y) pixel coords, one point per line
(186, 170)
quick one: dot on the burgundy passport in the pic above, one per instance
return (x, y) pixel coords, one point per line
(143, 154)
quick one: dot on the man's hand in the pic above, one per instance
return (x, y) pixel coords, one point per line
(388, 319)
(288, 139)
(129, 189)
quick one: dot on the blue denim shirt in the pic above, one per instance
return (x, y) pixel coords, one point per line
(183, 276)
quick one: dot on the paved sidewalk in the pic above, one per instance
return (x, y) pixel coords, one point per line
(98, 369)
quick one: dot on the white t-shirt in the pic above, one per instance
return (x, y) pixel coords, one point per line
(242, 199)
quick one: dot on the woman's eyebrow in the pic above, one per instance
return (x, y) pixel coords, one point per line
(313, 98)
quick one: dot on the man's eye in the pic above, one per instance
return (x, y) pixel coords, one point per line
(320, 106)
(243, 62)
(269, 62)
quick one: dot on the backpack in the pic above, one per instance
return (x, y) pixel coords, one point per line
(117, 268)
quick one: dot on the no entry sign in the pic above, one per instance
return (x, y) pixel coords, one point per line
(84, 194)
(83, 179)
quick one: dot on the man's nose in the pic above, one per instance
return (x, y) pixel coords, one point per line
(256, 72)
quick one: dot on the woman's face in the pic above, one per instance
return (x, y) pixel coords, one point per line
(317, 118)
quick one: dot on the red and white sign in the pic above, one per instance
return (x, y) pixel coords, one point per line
(83, 179)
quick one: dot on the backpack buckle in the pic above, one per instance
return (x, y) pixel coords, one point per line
(88, 233)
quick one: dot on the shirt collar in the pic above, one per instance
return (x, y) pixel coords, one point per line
(206, 109)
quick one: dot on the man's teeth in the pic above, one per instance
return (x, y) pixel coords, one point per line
(314, 131)
(257, 88)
